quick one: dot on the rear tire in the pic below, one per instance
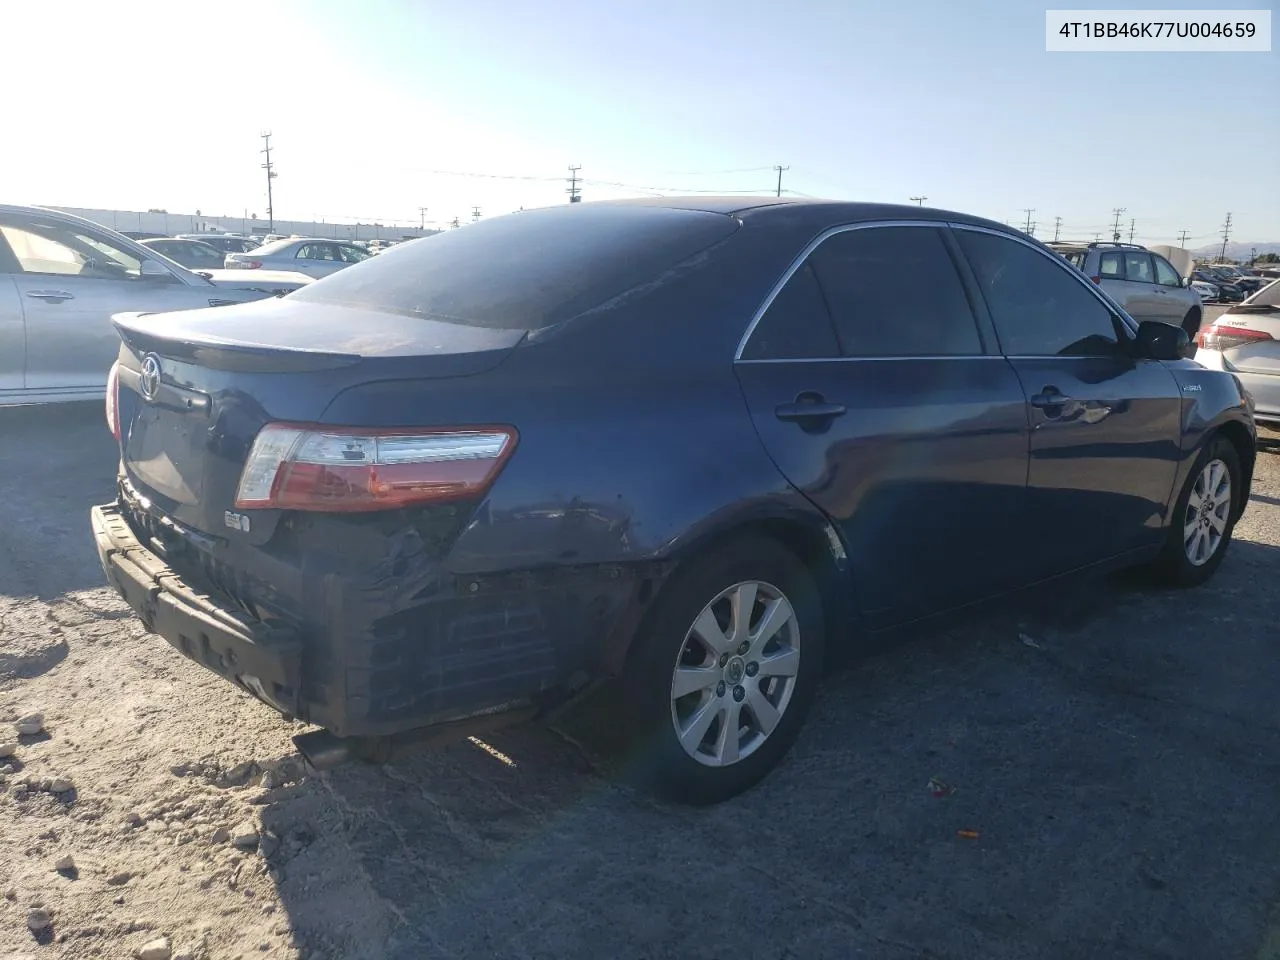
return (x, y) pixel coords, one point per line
(1204, 517)
(718, 696)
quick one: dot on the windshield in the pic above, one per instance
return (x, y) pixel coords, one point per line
(275, 246)
(524, 271)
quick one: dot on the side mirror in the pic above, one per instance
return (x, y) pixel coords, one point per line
(1158, 340)
(151, 270)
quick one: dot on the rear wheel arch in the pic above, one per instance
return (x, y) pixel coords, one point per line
(816, 545)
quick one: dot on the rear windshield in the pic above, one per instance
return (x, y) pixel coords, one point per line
(525, 271)
(275, 246)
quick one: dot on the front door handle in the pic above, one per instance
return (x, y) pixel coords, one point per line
(53, 296)
(1050, 398)
(809, 406)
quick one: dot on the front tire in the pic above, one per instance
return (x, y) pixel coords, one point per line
(1203, 518)
(724, 671)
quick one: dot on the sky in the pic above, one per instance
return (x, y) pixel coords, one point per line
(378, 108)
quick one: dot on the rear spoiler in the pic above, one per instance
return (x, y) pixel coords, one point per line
(143, 337)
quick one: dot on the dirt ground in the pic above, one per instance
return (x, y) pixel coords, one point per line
(1104, 762)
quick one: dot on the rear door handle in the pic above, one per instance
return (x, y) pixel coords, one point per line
(809, 406)
(54, 296)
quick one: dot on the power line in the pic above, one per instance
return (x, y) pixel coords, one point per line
(1057, 228)
(1182, 238)
(1115, 227)
(422, 214)
(1131, 223)
(271, 175)
(779, 167)
(574, 191)
(1226, 235)
(919, 200)
(475, 214)
(1028, 228)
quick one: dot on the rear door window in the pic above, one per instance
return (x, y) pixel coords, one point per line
(895, 292)
(796, 326)
(1111, 266)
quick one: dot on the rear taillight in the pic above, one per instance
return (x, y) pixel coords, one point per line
(1224, 336)
(1096, 279)
(113, 400)
(253, 264)
(348, 469)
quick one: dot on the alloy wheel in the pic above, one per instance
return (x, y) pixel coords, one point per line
(1204, 524)
(735, 673)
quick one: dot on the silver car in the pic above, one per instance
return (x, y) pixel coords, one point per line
(62, 278)
(1245, 341)
(315, 258)
(1145, 284)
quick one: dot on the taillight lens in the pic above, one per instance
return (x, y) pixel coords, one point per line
(113, 400)
(1096, 279)
(1224, 336)
(348, 469)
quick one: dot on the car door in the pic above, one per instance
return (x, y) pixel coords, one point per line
(877, 395)
(1105, 425)
(318, 259)
(1142, 292)
(71, 281)
(13, 331)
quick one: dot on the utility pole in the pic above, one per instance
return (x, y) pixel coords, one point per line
(422, 222)
(475, 214)
(1115, 228)
(271, 175)
(919, 201)
(1253, 256)
(779, 167)
(1057, 228)
(1132, 221)
(574, 191)
(1097, 238)
(1028, 211)
(453, 224)
(1182, 238)
(1226, 236)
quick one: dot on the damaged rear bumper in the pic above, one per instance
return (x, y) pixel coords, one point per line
(263, 660)
(388, 646)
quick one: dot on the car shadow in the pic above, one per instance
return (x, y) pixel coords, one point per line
(1089, 770)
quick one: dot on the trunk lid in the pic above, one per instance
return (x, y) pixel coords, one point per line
(224, 372)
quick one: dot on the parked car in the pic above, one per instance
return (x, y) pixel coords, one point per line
(316, 258)
(1206, 291)
(1234, 275)
(1228, 291)
(699, 444)
(192, 254)
(1145, 284)
(224, 243)
(1245, 342)
(61, 279)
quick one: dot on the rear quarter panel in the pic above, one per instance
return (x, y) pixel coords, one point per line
(1211, 403)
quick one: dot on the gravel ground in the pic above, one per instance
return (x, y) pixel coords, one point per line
(1105, 763)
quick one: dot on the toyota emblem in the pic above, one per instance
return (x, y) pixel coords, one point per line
(149, 380)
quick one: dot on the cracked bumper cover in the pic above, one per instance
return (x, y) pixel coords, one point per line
(261, 659)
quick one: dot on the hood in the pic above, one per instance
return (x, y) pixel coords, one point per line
(1179, 258)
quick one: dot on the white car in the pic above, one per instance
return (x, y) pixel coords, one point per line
(1207, 291)
(1246, 341)
(62, 278)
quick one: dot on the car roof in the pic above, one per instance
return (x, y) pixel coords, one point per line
(818, 211)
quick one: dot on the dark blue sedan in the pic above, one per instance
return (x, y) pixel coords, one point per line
(694, 444)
